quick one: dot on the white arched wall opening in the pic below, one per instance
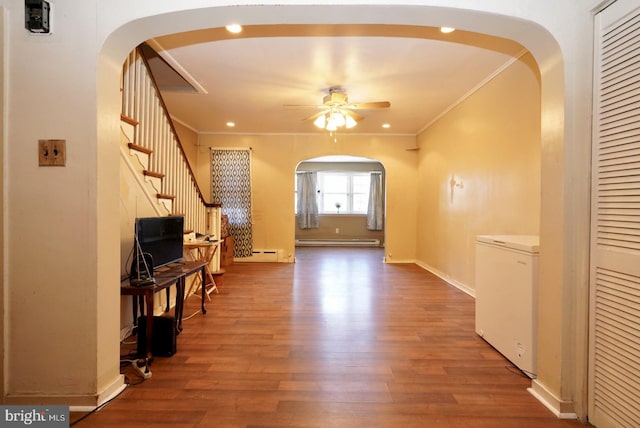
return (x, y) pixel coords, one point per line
(561, 360)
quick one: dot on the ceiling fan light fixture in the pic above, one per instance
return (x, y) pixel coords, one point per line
(320, 121)
(334, 119)
(338, 112)
(331, 124)
(338, 118)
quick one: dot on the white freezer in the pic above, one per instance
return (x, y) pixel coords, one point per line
(506, 288)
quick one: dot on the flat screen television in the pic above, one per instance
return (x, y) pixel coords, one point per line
(161, 238)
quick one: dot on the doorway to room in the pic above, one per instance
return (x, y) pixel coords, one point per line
(340, 201)
(552, 202)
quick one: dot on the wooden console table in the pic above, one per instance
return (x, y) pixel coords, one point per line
(165, 277)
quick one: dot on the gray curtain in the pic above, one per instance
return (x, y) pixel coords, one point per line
(375, 210)
(307, 203)
(231, 187)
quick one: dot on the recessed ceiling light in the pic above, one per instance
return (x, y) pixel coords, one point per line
(234, 28)
(231, 124)
(447, 30)
(386, 125)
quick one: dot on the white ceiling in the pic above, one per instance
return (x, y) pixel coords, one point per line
(249, 78)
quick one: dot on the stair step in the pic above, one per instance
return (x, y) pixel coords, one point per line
(163, 196)
(153, 174)
(129, 120)
(139, 148)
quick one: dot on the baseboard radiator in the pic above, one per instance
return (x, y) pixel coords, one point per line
(262, 256)
(338, 242)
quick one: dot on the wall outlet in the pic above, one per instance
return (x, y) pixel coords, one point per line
(337, 230)
(520, 350)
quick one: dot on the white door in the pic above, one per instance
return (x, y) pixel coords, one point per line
(614, 363)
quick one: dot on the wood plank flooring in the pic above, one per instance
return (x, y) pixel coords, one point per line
(338, 339)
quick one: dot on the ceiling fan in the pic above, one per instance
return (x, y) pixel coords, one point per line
(338, 112)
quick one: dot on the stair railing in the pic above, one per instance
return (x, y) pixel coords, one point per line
(142, 102)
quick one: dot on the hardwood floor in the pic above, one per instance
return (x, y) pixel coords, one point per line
(338, 339)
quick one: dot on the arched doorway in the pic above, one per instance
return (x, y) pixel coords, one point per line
(534, 37)
(349, 200)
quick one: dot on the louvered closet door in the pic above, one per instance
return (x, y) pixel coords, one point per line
(614, 389)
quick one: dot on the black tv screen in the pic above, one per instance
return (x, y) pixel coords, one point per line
(161, 237)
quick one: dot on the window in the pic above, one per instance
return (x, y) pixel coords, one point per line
(343, 192)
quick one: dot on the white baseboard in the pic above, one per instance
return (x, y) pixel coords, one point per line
(389, 260)
(76, 403)
(562, 409)
(337, 242)
(462, 287)
(110, 392)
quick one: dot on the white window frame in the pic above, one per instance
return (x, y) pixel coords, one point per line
(349, 192)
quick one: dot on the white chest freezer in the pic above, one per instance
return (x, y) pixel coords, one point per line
(506, 289)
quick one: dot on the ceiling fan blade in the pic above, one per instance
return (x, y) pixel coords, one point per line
(315, 115)
(353, 114)
(372, 105)
(302, 106)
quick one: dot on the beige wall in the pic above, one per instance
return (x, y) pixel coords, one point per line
(274, 162)
(479, 172)
(189, 140)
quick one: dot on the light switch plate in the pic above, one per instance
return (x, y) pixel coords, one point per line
(52, 152)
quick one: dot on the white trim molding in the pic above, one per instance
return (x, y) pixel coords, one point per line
(462, 287)
(562, 409)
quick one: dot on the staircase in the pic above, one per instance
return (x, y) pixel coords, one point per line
(152, 151)
(151, 137)
(138, 160)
